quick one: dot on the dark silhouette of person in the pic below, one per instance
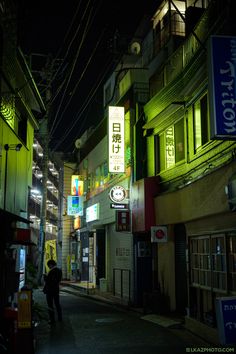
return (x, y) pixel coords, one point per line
(51, 289)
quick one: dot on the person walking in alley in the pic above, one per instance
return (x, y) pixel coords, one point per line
(51, 289)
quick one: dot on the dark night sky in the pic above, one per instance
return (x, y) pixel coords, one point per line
(77, 35)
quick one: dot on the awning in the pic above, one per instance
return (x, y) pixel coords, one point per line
(14, 217)
(169, 110)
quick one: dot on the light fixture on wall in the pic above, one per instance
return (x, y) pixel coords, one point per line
(8, 147)
(15, 147)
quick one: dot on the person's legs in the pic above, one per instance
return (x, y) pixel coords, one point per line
(58, 306)
(49, 298)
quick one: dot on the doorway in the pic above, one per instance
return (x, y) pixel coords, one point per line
(180, 269)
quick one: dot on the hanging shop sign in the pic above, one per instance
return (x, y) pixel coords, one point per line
(77, 185)
(159, 233)
(74, 205)
(117, 194)
(222, 88)
(77, 222)
(116, 139)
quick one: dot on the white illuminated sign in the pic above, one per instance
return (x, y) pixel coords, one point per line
(92, 213)
(116, 150)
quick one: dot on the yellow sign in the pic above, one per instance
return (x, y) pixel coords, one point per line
(50, 251)
(24, 309)
(77, 186)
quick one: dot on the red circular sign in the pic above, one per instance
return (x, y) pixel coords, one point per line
(160, 234)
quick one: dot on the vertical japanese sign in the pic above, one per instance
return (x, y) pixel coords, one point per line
(116, 138)
(24, 309)
(222, 86)
(122, 220)
(170, 147)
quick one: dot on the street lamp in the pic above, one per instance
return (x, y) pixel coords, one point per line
(8, 147)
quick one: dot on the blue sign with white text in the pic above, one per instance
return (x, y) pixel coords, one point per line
(222, 86)
(226, 319)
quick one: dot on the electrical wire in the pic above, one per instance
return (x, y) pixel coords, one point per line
(78, 82)
(74, 63)
(90, 96)
(61, 47)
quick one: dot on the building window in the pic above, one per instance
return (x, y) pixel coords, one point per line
(232, 263)
(200, 262)
(170, 148)
(200, 122)
(209, 264)
(212, 273)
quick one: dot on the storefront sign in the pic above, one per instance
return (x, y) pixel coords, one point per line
(222, 88)
(74, 205)
(92, 213)
(23, 235)
(24, 309)
(77, 186)
(116, 139)
(77, 222)
(226, 319)
(159, 234)
(122, 220)
(119, 206)
(117, 194)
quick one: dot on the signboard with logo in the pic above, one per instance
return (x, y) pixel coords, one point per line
(222, 89)
(77, 186)
(122, 220)
(116, 139)
(119, 206)
(92, 213)
(74, 205)
(117, 194)
(24, 309)
(226, 319)
(159, 233)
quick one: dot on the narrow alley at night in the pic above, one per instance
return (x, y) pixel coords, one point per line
(117, 176)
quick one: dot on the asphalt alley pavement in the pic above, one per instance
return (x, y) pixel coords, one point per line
(91, 326)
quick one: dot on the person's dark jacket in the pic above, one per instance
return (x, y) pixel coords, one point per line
(52, 281)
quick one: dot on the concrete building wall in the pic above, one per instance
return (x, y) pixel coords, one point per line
(204, 197)
(67, 221)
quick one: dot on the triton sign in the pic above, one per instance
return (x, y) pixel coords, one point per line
(222, 88)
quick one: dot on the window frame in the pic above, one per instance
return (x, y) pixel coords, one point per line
(220, 272)
(203, 123)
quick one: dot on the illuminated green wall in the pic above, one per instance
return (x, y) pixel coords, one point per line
(19, 169)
